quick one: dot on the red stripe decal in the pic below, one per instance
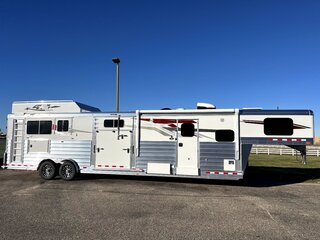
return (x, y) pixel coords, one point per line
(235, 173)
(145, 119)
(164, 121)
(114, 166)
(298, 139)
(207, 172)
(99, 165)
(121, 166)
(225, 173)
(216, 172)
(167, 121)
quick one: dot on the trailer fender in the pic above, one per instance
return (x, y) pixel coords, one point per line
(74, 163)
(50, 160)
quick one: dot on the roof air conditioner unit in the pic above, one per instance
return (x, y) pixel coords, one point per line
(205, 106)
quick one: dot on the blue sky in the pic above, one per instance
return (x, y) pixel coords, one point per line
(233, 54)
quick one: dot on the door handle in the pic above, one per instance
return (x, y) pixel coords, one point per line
(180, 144)
(98, 149)
(122, 136)
(126, 149)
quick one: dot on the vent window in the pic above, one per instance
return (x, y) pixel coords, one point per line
(39, 127)
(113, 123)
(224, 135)
(278, 126)
(187, 130)
(63, 126)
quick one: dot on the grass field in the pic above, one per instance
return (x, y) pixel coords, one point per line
(284, 161)
(283, 168)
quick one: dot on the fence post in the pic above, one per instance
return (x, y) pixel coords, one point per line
(280, 151)
(268, 151)
(318, 153)
(292, 152)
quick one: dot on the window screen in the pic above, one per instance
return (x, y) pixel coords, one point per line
(39, 127)
(113, 123)
(187, 130)
(224, 135)
(63, 126)
(278, 126)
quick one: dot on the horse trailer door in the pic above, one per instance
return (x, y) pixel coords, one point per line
(114, 145)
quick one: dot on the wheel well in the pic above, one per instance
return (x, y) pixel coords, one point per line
(74, 163)
(47, 160)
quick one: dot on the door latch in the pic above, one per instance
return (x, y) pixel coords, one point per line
(98, 149)
(126, 149)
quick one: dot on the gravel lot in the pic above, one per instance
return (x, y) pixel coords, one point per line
(112, 207)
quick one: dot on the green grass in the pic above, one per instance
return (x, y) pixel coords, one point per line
(284, 168)
(283, 161)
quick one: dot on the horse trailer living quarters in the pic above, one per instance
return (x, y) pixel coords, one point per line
(66, 138)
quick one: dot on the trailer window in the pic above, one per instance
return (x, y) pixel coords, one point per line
(32, 127)
(187, 130)
(224, 135)
(63, 126)
(113, 123)
(39, 127)
(278, 126)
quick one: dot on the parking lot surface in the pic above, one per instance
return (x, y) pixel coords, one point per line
(113, 207)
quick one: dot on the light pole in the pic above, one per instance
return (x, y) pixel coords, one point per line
(117, 62)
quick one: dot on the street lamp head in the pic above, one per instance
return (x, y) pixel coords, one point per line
(116, 60)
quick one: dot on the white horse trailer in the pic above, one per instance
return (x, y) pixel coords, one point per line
(66, 138)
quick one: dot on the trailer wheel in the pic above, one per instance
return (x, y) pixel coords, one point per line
(67, 171)
(47, 170)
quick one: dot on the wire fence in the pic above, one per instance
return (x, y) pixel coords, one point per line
(283, 150)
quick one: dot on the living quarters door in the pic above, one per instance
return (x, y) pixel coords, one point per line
(188, 147)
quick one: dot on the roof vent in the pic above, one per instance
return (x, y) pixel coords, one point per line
(205, 106)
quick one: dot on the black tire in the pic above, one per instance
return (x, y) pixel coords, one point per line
(67, 171)
(47, 170)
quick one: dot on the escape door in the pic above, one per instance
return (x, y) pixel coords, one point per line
(114, 144)
(187, 144)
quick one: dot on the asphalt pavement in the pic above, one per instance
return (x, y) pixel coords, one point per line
(117, 207)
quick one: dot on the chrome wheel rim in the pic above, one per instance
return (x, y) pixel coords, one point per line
(47, 170)
(67, 171)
